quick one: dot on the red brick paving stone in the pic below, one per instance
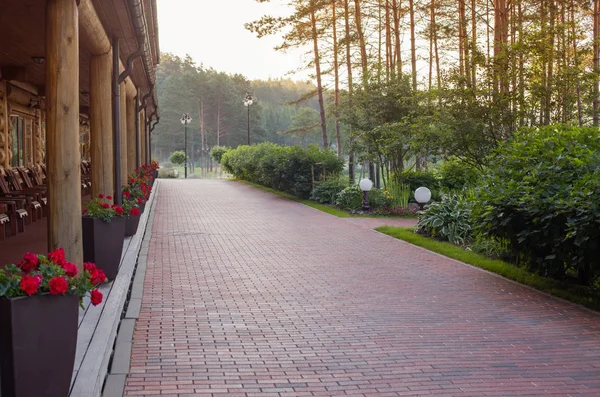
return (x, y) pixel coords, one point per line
(247, 293)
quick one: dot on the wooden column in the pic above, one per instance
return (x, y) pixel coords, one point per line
(101, 125)
(143, 131)
(4, 127)
(131, 112)
(123, 134)
(62, 135)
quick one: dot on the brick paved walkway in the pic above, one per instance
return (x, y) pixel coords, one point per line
(250, 294)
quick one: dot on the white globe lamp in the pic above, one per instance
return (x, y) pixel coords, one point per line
(365, 185)
(422, 195)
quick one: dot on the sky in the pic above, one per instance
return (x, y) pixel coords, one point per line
(212, 32)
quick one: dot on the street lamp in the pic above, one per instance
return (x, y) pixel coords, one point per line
(365, 185)
(185, 120)
(248, 102)
(422, 195)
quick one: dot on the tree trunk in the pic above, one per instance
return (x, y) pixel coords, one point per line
(473, 44)
(596, 102)
(398, 55)
(351, 165)
(550, 76)
(361, 42)
(315, 37)
(576, 64)
(413, 49)
(336, 72)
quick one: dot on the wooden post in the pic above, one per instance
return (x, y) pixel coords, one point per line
(101, 125)
(4, 127)
(143, 132)
(124, 131)
(62, 136)
(131, 112)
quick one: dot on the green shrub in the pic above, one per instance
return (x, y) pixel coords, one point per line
(456, 175)
(326, 191)
(284, 168)
(178, 157)
(416, 179)
(217, 152)
(542, 195)
(448, 220)
(351, 199)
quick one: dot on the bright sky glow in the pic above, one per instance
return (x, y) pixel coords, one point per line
(213, 33)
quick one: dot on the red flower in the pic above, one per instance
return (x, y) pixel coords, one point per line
(89, 266)
(101, 196)
(131, 180)
(105, 205)
(57, 256)
(70, 268)
(109, 197)
(58, 286)
(96, 297)
(85, 210)
(135, 211)
(30, 285)
(119, 210)
(126, 194)
(97, 277)
(140, 201)
(29, 263)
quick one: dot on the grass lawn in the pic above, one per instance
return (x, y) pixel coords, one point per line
(573, 293)
(330, 209)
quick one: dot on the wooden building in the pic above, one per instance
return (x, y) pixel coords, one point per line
(77, 83)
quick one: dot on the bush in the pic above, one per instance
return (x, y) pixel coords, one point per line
(542, 195)
(456, 175)
(351, 199)
(416, 179)
(326, 191)
(178, 157)
(448, 220)
(217, 152)
(284, 168)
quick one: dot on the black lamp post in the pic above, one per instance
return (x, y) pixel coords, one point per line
(248, 102)
(185, 120)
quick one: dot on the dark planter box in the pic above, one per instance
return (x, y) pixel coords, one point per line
(103, 243)
(155, 174)
(38, 339)
(131, 225)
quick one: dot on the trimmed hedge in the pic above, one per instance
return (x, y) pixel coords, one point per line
(284, 168)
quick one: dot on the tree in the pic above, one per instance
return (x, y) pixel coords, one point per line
(178, 157)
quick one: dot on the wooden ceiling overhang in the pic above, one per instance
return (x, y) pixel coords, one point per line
(23, 41)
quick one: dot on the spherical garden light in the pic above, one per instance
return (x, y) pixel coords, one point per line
(365, 185)
(422, 195)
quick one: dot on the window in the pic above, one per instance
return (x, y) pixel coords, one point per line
(17, 133)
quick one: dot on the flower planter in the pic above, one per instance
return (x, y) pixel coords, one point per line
(131, 225)
(38, 339)
(154, 174)
(103, 243)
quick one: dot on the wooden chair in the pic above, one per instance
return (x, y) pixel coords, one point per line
(38, 195)
(31, 187)
(4, 221)
(16, 213)
(24, 202)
